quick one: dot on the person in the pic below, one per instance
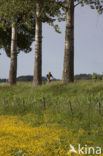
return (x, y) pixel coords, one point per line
(49, 76)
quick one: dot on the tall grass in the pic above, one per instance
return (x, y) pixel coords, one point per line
(76, 107)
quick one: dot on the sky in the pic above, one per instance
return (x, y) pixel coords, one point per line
(88, 48)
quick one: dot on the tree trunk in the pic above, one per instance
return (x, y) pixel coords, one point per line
(68, 68)
(37, 79)
(13, 63)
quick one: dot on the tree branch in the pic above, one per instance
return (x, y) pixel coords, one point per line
(77, 4)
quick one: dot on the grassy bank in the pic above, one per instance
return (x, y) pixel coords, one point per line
(50, 117)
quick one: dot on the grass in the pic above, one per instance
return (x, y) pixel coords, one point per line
(50, 117)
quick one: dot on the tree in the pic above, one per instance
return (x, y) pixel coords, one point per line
(45, 12)
(11, 13)
(37, 79)
(68, 67)
(13, 62)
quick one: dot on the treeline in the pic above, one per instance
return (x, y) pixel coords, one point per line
(3, 80)
(21, 24)
(93, 76)
(29, 78)
(83, 76)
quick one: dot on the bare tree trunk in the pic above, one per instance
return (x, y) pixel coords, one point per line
(37, 79)
(13, 63)
(68, 68)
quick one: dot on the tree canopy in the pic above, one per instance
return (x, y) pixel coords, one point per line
(11, 11)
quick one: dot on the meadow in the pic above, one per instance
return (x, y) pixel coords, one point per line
(45, 120)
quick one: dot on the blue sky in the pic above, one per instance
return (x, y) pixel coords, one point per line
(88, 47)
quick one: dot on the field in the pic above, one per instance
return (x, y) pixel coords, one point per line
(45, 120)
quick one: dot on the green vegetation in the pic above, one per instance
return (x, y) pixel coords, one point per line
(97, 77)
(75, 107)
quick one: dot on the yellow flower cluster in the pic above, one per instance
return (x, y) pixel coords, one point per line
(19, 139)
(16, 138)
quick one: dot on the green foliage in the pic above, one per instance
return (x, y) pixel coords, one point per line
(51, 11)
(94, 4)
(11, 11)
(94, 76)
(25, 36)
(23, 14)
(18, 11)
(97, 76)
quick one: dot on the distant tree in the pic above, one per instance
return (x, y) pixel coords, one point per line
(94, 76)
(99, 77)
